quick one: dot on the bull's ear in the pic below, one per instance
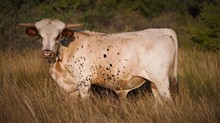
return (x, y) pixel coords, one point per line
(32, 31)
(67, 33)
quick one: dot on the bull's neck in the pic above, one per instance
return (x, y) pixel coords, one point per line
(65, 51)
(60, 53)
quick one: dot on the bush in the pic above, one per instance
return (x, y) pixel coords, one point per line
(207, 33)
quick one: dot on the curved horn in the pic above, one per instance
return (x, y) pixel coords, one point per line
(27, 24)
(68, 26)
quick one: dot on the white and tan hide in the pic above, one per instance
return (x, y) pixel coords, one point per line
(121, 61)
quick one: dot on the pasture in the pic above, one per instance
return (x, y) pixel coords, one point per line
(28, 94)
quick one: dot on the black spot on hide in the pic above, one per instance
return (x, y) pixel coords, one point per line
(104, 55)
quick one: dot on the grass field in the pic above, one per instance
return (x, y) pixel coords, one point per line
(28, 94)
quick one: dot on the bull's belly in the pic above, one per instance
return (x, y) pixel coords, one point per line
(121, 85)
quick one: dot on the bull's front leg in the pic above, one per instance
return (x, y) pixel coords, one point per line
(83, 88)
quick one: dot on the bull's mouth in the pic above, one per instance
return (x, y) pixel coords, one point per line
(48, 54)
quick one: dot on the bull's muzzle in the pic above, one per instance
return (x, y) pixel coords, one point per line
(47, 54)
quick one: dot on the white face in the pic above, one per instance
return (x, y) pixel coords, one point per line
(49, 30)
(49, 36)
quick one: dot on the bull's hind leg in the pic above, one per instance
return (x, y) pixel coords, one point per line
(162, 86)
(155, 92)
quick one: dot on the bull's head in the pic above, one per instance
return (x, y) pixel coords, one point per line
(50, 31)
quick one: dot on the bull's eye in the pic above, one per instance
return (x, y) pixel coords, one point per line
(58, 37)
(67, 33)
(32, 31)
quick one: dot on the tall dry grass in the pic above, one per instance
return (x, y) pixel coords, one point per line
(28, 94)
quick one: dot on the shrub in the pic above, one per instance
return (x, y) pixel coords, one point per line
(207, 33)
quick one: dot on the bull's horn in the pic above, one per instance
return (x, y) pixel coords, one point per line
(69, 26)
(27, 24)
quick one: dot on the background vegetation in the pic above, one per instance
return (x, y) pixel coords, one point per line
(28, 94)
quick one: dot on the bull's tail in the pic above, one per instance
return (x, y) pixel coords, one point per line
(174, 86)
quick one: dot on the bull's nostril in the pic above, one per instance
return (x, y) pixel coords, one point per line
(48, 54)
